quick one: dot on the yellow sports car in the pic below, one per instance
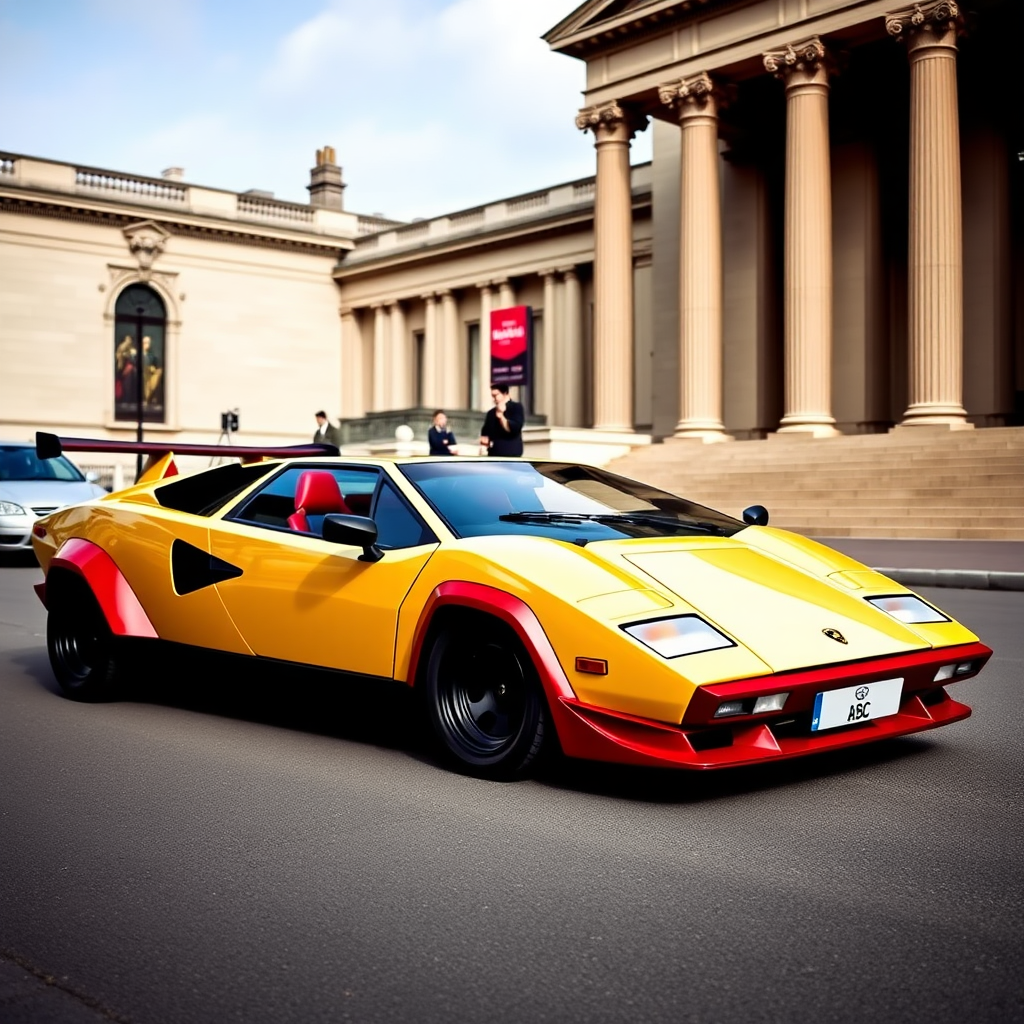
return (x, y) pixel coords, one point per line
(530, 604)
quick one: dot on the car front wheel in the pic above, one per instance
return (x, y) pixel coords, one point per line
(484, 702)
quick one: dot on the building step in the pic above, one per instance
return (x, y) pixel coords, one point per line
(905, 484)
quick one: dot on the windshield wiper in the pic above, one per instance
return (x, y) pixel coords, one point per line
(542, 517)
(609, 519)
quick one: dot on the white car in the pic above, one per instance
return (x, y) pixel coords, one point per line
(31, 488)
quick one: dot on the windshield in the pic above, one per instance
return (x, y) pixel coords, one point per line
(20, 463)
(552, 499)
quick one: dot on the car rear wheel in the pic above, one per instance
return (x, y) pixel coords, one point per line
(81, 649)
(484, 702)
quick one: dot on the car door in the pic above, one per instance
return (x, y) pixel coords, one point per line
(300, 598)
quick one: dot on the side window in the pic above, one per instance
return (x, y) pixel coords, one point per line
(275, 505)
(398, 526)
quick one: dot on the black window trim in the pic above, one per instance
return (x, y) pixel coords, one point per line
(233, 514)
(434, 539)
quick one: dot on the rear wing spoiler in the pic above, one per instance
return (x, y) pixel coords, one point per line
(160, 462)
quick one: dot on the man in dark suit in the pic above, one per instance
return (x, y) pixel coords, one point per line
(439, 437)
(326, 431)
(502, 432)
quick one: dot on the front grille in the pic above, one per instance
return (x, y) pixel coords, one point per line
(44, 510)
(8, 539)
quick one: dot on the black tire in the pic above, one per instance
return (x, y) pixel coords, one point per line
(484, 701)
(80, 647)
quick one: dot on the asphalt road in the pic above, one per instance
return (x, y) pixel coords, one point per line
(239, 850)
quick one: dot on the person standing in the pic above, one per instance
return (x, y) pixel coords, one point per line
(502, 432)
(439, 437)
(326, 431)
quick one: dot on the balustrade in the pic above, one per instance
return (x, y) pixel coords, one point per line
(262, 208)
(101, 181)
(526, 203)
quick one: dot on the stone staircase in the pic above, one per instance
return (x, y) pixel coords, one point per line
(922, 482)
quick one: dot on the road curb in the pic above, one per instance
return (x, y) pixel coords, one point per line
(962, 579)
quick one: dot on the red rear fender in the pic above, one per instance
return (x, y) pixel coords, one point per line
(121, 608)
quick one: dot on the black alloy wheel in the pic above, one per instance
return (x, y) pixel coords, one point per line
(484, 702)
(79, 644)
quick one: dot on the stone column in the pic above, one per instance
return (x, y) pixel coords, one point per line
(353, 402)
(546, 373)
(506, 293)
(807, 316)
(483, 398)
(571, 375)
(451, 369)
(613, 126)
(935, 259)
(430, 388)
(695, 103)
(380, 357)
(400, 383)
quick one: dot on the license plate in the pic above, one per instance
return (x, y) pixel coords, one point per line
(854, 704)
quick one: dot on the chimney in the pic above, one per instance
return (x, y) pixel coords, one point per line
(325, 184)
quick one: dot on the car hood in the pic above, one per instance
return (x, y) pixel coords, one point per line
(48, 494)
(779, 612)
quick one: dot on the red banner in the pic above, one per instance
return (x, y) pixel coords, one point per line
(511, 344)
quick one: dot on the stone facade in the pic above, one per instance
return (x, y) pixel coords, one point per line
(252, 316)
(857, 219)
(830, 238)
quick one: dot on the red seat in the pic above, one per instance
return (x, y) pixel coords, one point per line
(317, 494)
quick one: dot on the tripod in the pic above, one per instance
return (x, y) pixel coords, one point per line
(228, 425)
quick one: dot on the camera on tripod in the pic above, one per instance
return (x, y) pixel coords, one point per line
(229, 421)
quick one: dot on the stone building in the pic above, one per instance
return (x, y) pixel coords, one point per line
(233, 292)
(837, 208)
(829, 238)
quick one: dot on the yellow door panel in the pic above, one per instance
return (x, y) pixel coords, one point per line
(304, 599)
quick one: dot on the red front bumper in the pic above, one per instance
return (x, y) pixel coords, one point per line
(701, 741)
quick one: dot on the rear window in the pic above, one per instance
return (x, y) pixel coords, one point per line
(206, 493)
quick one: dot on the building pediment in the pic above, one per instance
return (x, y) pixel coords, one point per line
(600, 24)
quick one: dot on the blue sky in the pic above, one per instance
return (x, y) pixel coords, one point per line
(431, 105)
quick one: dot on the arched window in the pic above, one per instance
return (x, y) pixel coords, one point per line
(140, 323)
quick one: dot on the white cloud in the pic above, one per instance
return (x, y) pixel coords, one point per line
(435, 109)
(432, 106)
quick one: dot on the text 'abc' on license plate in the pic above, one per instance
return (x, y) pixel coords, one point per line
(855, 704)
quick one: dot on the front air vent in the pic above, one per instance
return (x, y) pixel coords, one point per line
(710, 739)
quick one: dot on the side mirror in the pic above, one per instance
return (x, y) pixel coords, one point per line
(92, 476)
(756, 515)
(357, 530)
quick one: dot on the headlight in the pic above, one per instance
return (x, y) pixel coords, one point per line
(752, 706)
(908, 608)
(683, 634)
(8, 508)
